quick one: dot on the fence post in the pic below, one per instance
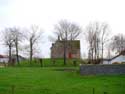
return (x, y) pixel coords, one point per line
(13, 89)
(105, 93)
(93, 90)
(41, 62)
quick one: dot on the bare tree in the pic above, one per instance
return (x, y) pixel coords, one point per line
(118, 43)
(8, 39)
(92, 36)
(67, 31)
(90, 39)
(18, 37)
(96, 36)
(33, 38)
(105, 36)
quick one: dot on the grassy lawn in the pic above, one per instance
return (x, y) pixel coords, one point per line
(36, 80)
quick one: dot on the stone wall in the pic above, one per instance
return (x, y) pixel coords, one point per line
(102, 69)
(57, 49)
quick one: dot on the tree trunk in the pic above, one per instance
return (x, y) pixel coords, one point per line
(98, 51)
(95, 53)
(17, 56)
(102, 50)
(64, 52)
(92, 56)
(10, 57)
(31, 51)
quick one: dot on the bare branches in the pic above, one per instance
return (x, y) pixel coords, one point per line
(118, 43)
(12, 37)
(18, 37)
(67, 30)
(33, 36)
(8, 38)
(96, 36)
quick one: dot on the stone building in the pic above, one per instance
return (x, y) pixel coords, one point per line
(72, 49)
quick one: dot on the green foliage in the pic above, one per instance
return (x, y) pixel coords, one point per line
(32, 80)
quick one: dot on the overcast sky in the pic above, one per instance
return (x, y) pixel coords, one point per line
(46, 13)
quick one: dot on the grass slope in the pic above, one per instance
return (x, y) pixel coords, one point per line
(47, 62)
(49, 81)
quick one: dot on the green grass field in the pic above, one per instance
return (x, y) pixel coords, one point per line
(48, 80)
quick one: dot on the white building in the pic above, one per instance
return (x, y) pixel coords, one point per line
(117, 59)
(4, 59)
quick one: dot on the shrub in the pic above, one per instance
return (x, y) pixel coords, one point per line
(123, 63)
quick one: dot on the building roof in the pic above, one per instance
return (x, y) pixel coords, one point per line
(3, 56)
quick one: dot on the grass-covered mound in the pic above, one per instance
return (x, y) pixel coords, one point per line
(47, 62)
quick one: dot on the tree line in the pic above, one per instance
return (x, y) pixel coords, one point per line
(98, 36)
(13, 37)
(102, 42)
